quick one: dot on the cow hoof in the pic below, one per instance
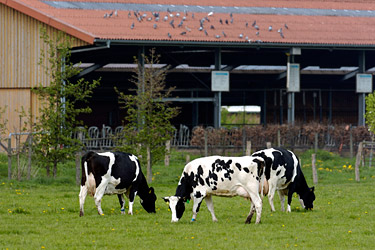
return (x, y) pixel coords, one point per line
(130, 213)
(192, 220)
(80, 214)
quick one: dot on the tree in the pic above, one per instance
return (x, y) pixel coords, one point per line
(147, 125)
(57, 115)
(370, 111)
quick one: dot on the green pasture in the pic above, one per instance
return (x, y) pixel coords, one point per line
(44, 214)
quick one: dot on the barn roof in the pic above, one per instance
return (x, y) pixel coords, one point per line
(281, 22)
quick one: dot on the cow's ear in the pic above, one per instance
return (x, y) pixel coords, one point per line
(151, 190)
(312, 189)
(166, 199)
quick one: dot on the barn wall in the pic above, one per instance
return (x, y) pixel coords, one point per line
(20, 49)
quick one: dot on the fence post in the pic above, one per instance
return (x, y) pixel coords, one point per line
(205, 143)
(351, 143)
(248, 148)
(167, 153)
(278, 138)
(187, 158)
(268, 144)
(9, 152)
(29, 156)
(358, 161)
(315, 174)
(78, 166)
(316, 143)
(149, 170)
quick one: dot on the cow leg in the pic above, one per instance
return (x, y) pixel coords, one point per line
(131, 201)
(290, 196)
(256, 201)
(121, 199)
(282, 194)
(251, 213)
(82, 198)
(271, 195)
(210, 206)
(99, 195)
(196, 206)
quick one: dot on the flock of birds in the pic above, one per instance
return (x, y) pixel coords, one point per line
(205, 26)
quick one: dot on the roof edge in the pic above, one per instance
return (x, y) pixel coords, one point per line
(53, 22)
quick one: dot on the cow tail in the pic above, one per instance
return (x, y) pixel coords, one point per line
(90, 181)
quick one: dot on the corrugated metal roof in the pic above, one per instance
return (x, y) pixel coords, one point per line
(313, 22)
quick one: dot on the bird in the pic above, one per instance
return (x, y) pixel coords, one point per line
(155, 26)
(180, 24)
(226, 21)
(187, 28)
(149, 19)
(129, 14)
(281, 34)
(200, 28)
(212, 27)
(225, 35)
(286, 26)
(221, 21)
(116, 15)
(254, 23)
(257, 33)
(105, 15)
(231, 20)
(247, 24)
(256, 27)
(270, 28)
(231, 14)
(217, 36)
(157, 19)
(165, 18)
(192, 15)
(169, 35)
(241, 35)
(177, 14)
(183, 33)
(132, 26)
(210, 14)
(205, 32)
(110, 14)
(172, 23)
(184, 18)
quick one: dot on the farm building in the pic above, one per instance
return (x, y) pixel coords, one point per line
(299, 61)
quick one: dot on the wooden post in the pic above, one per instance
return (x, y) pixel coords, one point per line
(29, 156)
(248, 148)
(278, 138)
(316, 143)
(243, 141)
(187, 158)
(268, 144)
(9, 151)
(358, 161)
(315, 174)
(351, 143)
(167, 153)
(205, 143)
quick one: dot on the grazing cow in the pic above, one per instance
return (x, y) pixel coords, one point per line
(114, 173)
(220, 176)
(283, 173)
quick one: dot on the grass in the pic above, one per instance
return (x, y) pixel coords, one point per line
(42, 214)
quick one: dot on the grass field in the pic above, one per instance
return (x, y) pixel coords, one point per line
(44, 214)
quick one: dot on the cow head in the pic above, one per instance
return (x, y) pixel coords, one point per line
(148, 202)
(308, 199)
(177, 206)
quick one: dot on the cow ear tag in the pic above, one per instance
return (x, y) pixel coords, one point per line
(187, 201)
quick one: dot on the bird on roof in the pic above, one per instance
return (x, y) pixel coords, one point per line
(217, 36)
(257, 33)
(149, 19)
(157, 19)
(155, 26)
(231, 14)
(231, 20)
(116, 15)
(180, 24)
(200, 28)
(221, 21)
(135, 14)
(187, 28)
(212, 27)
(286, 26)
(256, 27)
(184, 18)
(105, 15)
(129, 14)
(186, 13)
(132, 26)
(183, 33)
(178, 14)
(254, 23)
(169, 35)
(192, 15)
(168, 10)
(206, 18)
(205, 32)
(110, 14)
(270, 28)
(247, 24)
(225, 35)
(281, 34)
(210, 14)
(172, 23)
(226, 21)
(165, 18)
(240, 35)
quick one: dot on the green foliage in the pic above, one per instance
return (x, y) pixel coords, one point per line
(147, 123)
(370, 111)
(58, 111)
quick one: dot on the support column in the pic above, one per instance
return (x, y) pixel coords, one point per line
(361, 96)
(217, 97)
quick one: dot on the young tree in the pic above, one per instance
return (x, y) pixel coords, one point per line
(370, 112)
(147, 124)
(57, 115)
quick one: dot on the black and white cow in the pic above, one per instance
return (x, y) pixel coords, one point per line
(114, 173)
(283, 173)
(220, 176)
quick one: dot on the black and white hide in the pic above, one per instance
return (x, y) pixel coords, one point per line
(114, 173)
(220, 176)
(283, 173)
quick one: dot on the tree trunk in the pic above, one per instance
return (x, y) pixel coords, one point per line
(48, 170)
(54, 169)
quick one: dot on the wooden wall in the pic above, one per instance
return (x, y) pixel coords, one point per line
(20, 49)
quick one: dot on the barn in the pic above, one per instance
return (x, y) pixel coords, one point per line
(299, 61)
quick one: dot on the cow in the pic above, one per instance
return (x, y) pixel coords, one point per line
(114, 173)
(283, 173)
(219, 176)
